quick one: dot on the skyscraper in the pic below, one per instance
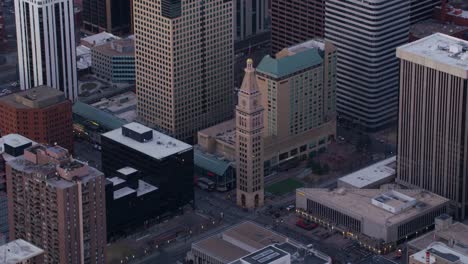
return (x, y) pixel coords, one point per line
(296, 21)
(432, 133)
(46, 45)
(422, 9)
(250, 18)
(249, 144)
(184, 69)
(58, 204)
(366, 34)
(113, 16)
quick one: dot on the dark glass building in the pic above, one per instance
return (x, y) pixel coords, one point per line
(113, 16)
(150, 174)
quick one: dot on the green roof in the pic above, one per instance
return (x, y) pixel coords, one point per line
(105, 119)
(287, 65)
(210, 163)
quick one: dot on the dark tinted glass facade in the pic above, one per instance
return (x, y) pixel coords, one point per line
(172, 175)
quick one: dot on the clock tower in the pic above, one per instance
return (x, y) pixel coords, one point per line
(249, 143)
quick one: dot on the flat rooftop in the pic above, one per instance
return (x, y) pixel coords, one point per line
(238, 241)
(37, 97)
(225, 131)
(266, 255)
(456, 231)
(440, 52)
(18, 251)
(359, 202)
(14, 140)
(253, 235)
(127, 170)
(221, 249)
(441, 251)
(159, 147)
(371, 174)
(428, 27)
(98, 39)
(118, 47)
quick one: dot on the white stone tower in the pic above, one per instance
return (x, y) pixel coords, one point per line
(249, 144)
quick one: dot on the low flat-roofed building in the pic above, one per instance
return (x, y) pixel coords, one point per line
(234, 243)
(216, 168)
(122, 106)
(284, 253)
(378, 219)
(439, 253)
(20, 251)
(452, 234)
(245, 243)
(370, 177)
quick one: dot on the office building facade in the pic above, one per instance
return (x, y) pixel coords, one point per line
(113, 16)
(421, 10)
(379, 219)
(184, 69)
(432, 134)
(45, 35)
(162, 161)
(58, 204)
(42, 114)
(115, 61)
(251, 17)
(296, 21)
(249, 142)
(366, 34)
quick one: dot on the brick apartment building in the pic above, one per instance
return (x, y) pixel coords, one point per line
(42, 114)
(58, 204)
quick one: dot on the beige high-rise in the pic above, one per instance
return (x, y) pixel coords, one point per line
(184, 64)
(432, 133)
(249, 143)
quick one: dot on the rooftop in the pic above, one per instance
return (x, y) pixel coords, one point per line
(238, 241)
(361, 202)
(217, 165)
(457, 232)
(440, 52)
(37, 97)
(225, 131)
(98, 39)
(123, 192)
(428, 27)
(116, 180)
(18, 251)
(104, 118)
(266, 255)
(159, 147)
(14, 140)
(127, 170)
(373, 173)
(121, 105)
(285, 66)
(118, 47)
(440, 251)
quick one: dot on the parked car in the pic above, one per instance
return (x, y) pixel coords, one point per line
(291, 207)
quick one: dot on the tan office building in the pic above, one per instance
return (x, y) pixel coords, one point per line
(184, 64)
(298, 96)
(432, 134)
